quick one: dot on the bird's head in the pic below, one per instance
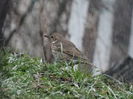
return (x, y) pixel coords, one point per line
(54, 37)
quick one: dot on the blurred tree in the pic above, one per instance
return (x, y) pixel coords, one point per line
(4, 6)
(90, 35)
(121, 30)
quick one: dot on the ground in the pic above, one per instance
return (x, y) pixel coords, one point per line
(25, 77)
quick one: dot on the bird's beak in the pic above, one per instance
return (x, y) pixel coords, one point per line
(45, 35)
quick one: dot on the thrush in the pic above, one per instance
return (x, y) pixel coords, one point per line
(63, 49)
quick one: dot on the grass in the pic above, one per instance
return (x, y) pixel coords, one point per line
(25, 77)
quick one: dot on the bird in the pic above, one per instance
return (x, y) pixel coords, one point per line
(63, 49)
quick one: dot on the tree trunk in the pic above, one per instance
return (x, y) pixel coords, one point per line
(130, 52)
(104, 40)
(76, 26)
(4, 4)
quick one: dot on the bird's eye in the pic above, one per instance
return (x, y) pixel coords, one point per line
(52, 37)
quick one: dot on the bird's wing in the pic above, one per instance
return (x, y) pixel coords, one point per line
(70, 48)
